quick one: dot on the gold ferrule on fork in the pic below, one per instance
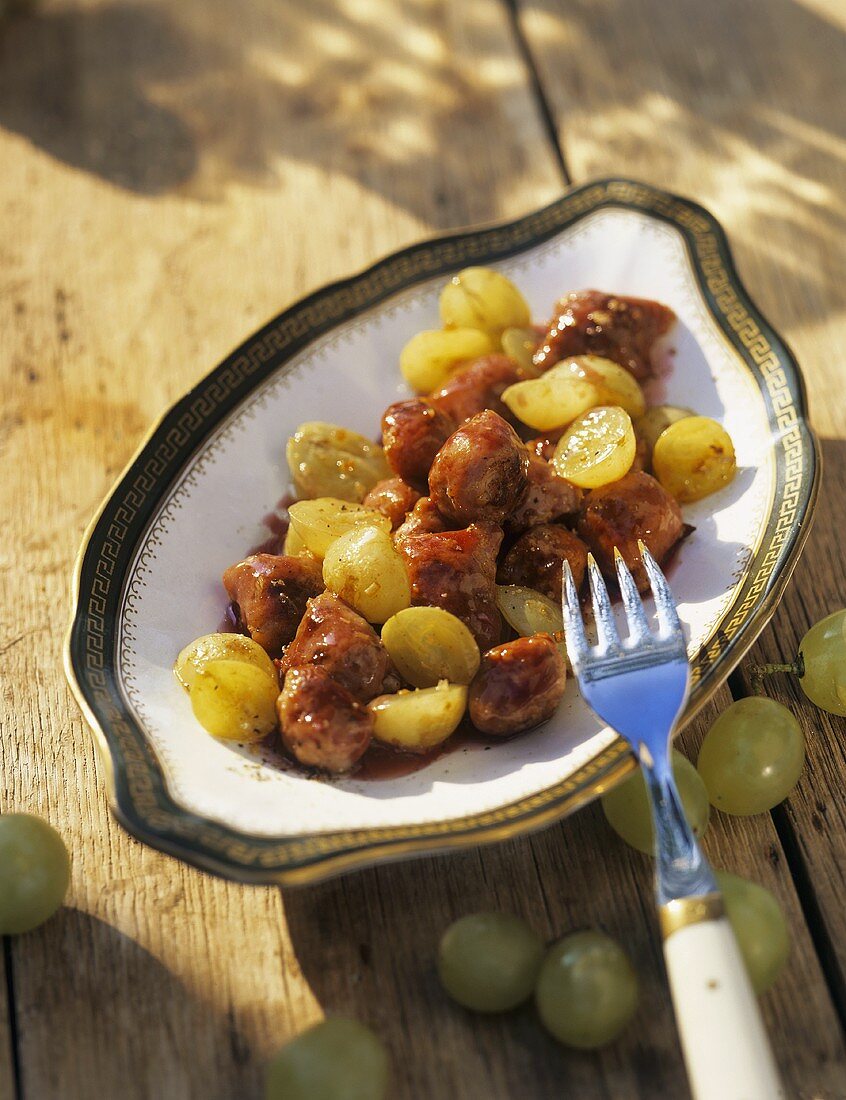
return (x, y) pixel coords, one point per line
(680, 912)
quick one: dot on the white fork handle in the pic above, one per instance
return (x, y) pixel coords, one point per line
(726, 1049)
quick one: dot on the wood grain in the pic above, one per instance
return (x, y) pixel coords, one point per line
(174, 174)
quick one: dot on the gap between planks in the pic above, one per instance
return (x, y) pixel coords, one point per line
(10, 1070)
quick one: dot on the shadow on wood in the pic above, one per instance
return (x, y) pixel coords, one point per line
(732, 105)
(163, 1044)
(367, 945)
(155, 97)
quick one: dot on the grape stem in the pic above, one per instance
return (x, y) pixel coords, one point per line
(758, 673)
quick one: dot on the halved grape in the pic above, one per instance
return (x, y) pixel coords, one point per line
(363, 567)
(520, 344)
(656, 420)
(34, 872)
(317, 523)
(428, 644)
(294, 545)
(481, 298)
(338, 1059)
(759, 925)
(429, 358)
(553, 400)
(752, 756)
(597, 448)
(694, 457)
(587, 990)
(235, 700)
(419, 720)
(489, 961)
(216, 647)
(528, 611)
(823, 651)
(329, 461)
(626, 806)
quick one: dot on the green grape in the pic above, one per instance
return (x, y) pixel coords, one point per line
(34, 872)
(489, 961)
(627, 806)
(752, 756)
(587, 990)
(338, 1059)
(759, 925)
(823, 653)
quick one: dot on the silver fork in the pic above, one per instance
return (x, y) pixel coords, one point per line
(639, 686)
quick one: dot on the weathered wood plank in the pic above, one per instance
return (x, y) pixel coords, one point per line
(171, 177)
(734, 109)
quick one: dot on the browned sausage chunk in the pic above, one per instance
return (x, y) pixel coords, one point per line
(322, 725)
(537, 558)
(544, 445)
(589, 322)
(456, 570)
(423, 519)
(412, 434)
(547, 497)
(269, 594)
(334, 637)
(481, 471)
(477, 387)
(518, 686)
(393, 497)
(635, 507)
(643, 455)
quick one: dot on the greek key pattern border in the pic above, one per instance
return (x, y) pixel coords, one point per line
(136, 769)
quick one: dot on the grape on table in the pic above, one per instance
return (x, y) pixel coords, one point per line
(752, 756)
(489, 962)
(34, 872)
(587, 990)
(337, 1059)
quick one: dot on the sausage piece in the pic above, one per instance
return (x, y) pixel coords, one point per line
(589, 322)
(423, 519)
(269, 594)
(456, 570)
(393, 497)
(412, 434)
(477, 387)
(481, 472)
(518, 686)
(537, 558)
(321, 724)
(334, 637)
(547, 497)
(618, 514)
(544, 445)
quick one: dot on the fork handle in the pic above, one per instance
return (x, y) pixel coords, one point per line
(726, 1049)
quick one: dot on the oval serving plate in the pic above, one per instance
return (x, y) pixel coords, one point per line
(190, 503)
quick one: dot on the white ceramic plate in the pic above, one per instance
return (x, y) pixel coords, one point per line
(190, 503)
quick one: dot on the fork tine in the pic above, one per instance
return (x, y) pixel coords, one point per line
(665, 605)
(635, 615)
(606, 628)
(574, 628)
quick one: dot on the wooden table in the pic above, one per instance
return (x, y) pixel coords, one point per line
(170, 176)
